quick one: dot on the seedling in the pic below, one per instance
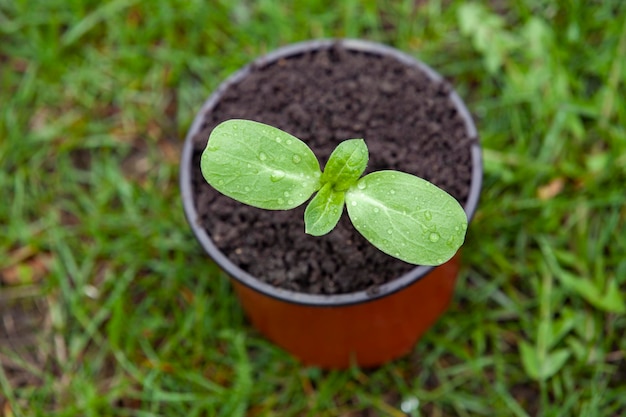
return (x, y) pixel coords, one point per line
(403, 215)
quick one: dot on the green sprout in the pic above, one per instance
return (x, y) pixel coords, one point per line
(403, 215)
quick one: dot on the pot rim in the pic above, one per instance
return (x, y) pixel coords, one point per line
(249, 280)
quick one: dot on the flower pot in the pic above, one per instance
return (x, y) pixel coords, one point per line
(335, 327)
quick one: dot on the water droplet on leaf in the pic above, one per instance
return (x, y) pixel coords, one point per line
(296, 159)
(428, 215)
(353, 203)
(434, 237)
(410, 405)
(277, 175)
(278, 139)
(361, 185)
(262, 156)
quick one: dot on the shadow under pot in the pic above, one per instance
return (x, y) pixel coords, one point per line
(335, 300)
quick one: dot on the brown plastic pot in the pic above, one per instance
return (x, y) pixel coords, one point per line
(336, 331)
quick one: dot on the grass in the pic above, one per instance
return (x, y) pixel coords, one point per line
(109, 307)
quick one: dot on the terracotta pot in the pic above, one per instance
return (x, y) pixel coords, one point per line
(336, 331)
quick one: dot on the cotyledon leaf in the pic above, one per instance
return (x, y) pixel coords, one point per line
(260, 165)
(407, 217)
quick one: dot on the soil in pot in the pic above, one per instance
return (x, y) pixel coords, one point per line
(324, 97)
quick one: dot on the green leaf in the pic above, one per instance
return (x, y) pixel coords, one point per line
(554, 362)
(487, 33)
(260, 165)
(324, 211)
(561, 327)
(530, 360)
(611, 301)
(346, 164)
(407, 217)
(608, 298)
(541, 367)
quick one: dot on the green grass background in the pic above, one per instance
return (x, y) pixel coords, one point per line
(134, 320)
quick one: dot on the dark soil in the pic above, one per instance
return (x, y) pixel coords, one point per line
(324, 97)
